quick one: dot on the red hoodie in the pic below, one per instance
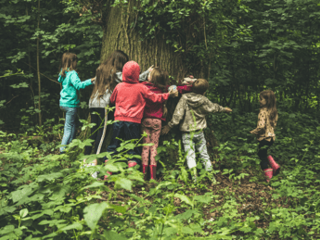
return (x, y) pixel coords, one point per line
(155, 110)
(130, 97)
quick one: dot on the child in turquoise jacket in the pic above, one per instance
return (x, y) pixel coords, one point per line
(69, 95)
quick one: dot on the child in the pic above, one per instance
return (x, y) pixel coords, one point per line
(130, 100)
(69, 99)
(267, 121)
(108, 75)
(154, 113)
(115, 63)
(192, 110)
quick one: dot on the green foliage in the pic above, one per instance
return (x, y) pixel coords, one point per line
(49, 196)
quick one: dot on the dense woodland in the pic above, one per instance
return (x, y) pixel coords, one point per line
(242, 47)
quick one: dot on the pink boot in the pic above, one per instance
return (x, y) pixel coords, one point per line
(275, 166)
(144, 169)
(268, 173)
(110, 173)
(153, 171)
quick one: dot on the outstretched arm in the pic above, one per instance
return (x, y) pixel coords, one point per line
(76, 82)
(214, 107)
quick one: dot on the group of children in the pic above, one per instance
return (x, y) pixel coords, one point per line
(140, 106)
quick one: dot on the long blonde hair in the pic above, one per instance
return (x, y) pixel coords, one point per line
(271, 105)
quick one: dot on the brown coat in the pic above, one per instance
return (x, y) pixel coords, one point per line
(264, 128)
(192, 110)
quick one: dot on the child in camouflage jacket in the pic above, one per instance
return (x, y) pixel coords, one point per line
(191, 113)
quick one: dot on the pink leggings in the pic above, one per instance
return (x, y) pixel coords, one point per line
(152, 126)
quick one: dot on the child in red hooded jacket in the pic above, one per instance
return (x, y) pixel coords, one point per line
(130, 100)
(154, 114)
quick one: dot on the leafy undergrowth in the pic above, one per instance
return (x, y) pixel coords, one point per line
(44, 195)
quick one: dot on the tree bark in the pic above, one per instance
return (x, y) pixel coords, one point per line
(120, 33)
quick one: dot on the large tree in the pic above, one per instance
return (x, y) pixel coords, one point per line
(179, 36)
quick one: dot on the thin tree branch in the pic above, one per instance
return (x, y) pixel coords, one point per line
(12, 99)
(42, 74)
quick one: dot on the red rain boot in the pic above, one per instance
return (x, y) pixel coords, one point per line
(144, 169)
(275, 166)
(153, 171)
(268, 173)
(110, 173)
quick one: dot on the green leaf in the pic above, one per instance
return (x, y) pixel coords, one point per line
(75, 225)
(124, 183)
(113, 235)
(119, 209)
(93, 213)
(49, 177)
(206, 198)
(23, 212)
(20, 194)
(93, 185)
(186, 215)
(184, 198)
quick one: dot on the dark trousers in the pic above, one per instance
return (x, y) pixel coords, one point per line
(97, 130)
(125, 131)
(263, 147)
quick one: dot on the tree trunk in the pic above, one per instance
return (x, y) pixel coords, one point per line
(120, 33)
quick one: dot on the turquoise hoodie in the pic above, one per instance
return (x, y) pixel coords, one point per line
(71, 84)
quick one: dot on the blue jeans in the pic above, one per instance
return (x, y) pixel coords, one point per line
(69, 131)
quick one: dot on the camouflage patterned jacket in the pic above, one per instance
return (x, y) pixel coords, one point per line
(191, 111)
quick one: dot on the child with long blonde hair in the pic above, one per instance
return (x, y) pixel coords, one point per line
(267, 121)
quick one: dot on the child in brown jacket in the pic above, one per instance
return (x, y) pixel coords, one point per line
(267, 121)
(191, 113)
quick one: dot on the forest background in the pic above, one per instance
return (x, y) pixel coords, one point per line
(242, 47)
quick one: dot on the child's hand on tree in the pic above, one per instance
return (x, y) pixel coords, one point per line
(174, 93)
(93, 80)
(150, 68)
(226, 109)
(165, 130)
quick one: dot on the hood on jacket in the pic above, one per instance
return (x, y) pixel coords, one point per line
(130, 72)
(194, 100)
